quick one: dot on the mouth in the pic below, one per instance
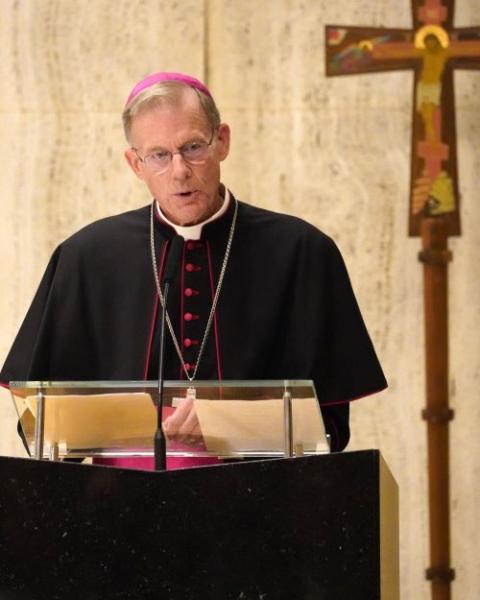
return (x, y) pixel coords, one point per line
(187, 194)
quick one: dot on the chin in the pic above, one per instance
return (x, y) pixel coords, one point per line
(189, 218)
(189, 213)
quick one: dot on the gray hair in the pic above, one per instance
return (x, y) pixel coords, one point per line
(170, 93)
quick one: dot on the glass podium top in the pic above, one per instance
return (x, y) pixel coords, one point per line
(248, 388)
(228, 419)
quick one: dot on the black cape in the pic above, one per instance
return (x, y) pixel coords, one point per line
(286, 310)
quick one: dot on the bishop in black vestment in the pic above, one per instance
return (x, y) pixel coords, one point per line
(284, 307)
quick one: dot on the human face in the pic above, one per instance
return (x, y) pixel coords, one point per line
(187, 193)
(431, 42)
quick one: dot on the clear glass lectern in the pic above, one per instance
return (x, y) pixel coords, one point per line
(232, 419)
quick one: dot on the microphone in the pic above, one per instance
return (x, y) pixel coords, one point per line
(169, 274)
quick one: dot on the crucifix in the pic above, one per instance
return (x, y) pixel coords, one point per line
(433, 49)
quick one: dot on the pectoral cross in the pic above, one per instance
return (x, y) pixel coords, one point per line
(433, 49)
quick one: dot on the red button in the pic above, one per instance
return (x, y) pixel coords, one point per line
(190, 267)
(189, 367)
(190, 245)
(187, 342)
(190, 292)
(189, 317)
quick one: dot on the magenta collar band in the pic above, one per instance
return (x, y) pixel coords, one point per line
(166, 76)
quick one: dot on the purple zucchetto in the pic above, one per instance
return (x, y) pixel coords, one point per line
(166, 76)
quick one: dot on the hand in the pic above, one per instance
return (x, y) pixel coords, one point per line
(182, 425)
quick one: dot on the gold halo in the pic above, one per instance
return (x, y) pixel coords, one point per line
(365, 45)
(436, 30)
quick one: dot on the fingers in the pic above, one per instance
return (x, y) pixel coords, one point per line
(191, 426)
(174, 422)
(183, 424)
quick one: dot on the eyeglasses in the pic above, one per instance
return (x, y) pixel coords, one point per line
(193, 153)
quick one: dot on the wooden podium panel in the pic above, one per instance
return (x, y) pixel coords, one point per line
(318, 527)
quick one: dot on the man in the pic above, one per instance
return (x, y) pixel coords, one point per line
(259, 295)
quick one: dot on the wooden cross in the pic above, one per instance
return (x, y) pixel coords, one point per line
(433, 49)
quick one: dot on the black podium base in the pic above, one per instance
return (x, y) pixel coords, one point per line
(303, 528)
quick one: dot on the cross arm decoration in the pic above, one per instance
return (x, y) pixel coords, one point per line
(433, 49)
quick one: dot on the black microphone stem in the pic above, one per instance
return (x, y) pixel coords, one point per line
(171, 270)
(160, 444)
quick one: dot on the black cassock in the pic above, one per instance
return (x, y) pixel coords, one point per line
(286, 310)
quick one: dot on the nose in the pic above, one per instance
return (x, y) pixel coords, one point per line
(180, 169)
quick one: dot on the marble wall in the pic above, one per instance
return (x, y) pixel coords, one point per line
(333, 151)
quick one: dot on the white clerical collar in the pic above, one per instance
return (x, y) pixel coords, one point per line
(194, 232)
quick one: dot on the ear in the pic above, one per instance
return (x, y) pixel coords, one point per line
(223, 141)
(134, 162)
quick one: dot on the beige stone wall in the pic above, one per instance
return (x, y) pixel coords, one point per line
(334, 151)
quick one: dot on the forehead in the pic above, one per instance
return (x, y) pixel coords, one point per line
(169, 123)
